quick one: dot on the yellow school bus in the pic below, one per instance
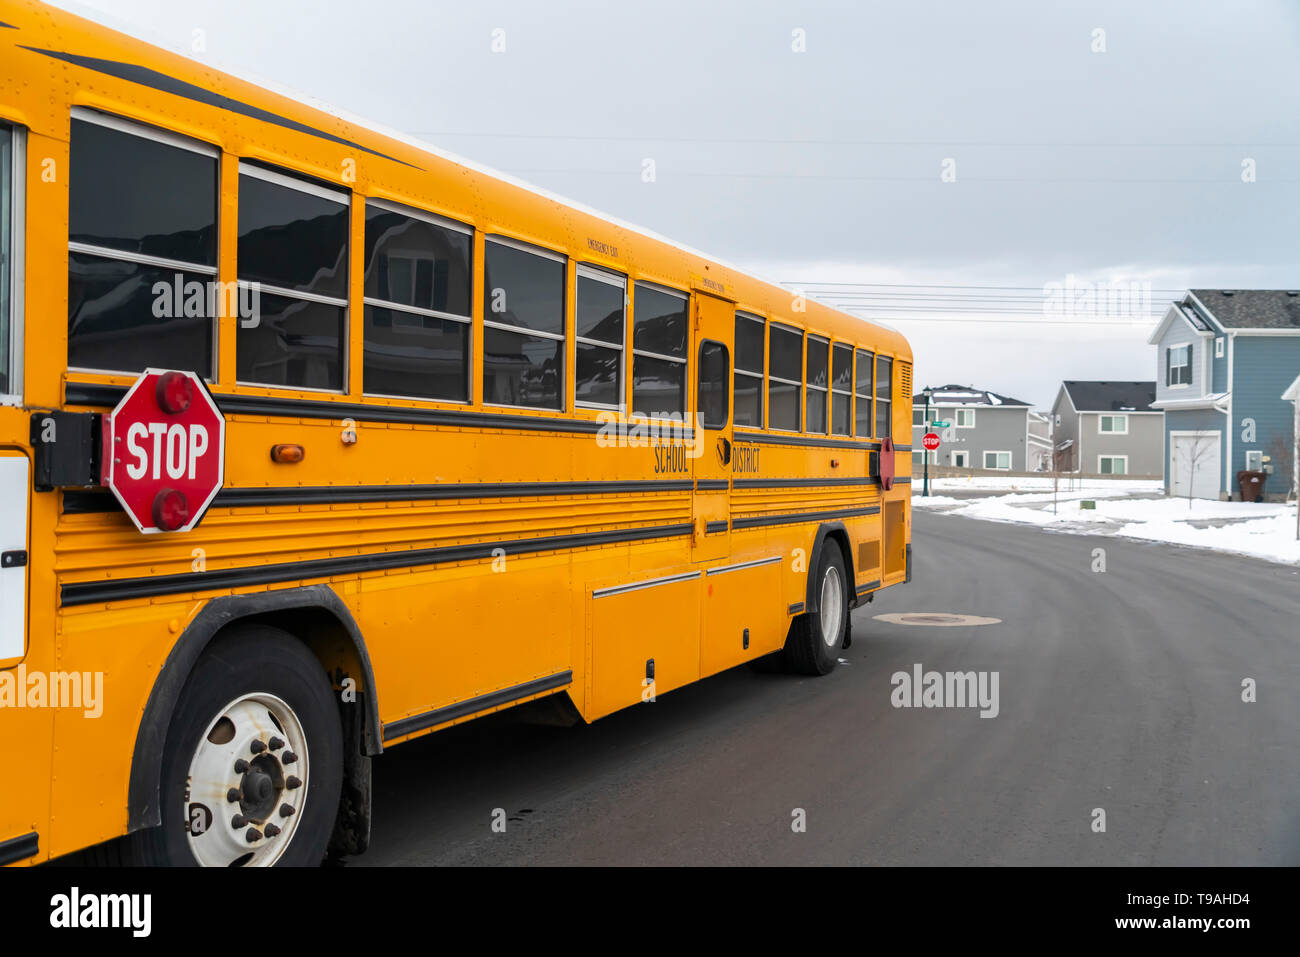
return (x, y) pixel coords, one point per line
(481, 446)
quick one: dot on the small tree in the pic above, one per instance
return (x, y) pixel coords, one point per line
(1195, 455)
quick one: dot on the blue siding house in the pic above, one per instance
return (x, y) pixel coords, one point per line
(1224, 358)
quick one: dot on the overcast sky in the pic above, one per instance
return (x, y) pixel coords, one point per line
(1109, 156)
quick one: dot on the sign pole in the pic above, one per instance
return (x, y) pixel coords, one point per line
(925, 455)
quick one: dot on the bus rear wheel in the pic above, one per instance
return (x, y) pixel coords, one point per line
(816, 638)
(252, 767)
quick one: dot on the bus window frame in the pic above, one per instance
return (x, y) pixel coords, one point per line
(567, 322)
(808, 339)
(619, 280)
(433, 219)
(761, 375)
(629, 323)
(871, 394)
(166, 137)
(769, 378)
(17, 261)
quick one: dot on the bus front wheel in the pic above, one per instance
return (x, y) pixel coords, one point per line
(252, 767)
(816, 638)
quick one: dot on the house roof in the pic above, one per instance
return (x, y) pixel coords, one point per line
(1111, 396)
(969, 395)
(1252, 308)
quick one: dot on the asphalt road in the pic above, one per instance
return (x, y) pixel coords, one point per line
(1119, 690)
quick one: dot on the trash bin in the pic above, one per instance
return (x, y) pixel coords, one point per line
(1251, 485)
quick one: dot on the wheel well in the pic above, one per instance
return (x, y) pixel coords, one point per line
(836, 533)
(315, 616)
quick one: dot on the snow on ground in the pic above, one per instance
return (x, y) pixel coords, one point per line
(1017, 483)
(1261, 530)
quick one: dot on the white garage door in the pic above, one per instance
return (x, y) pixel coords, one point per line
(1194, 462)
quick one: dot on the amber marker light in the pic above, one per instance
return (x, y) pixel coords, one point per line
(287, 454)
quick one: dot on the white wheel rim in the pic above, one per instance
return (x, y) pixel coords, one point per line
(832, 606)
(247, 784)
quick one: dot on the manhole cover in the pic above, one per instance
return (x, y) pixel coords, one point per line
(936, 619)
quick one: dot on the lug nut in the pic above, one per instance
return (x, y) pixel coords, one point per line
(286, 810)
(241, 766)
(234, 795)
(272, 830)
(257, 747)
(292, 783)
(288, 757)
(238, 821)
(276, 744)
(253, 835)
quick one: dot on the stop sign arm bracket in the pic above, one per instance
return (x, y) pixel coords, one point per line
(66, 449)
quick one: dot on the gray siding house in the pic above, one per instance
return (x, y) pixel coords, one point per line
(1224, 359)
(985, 430)
(1108, 428)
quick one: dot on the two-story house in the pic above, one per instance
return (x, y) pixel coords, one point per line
(1107, 428)
(1224, 359)
(985, 430)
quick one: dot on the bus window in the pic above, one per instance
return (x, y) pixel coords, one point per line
(523, 319)
(785, 376)
(417, 314)
(600, 313)
(841, 388)
(712, 396)
(293, 249)
(884, 397)
(818, 382)
(864, 362)
(7, 345)
(142, 248)
(749, 371)
(659, 320)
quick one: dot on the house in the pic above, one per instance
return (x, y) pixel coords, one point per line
(985, 430)
(1292, 395)
(1224, 359)
(1108, 428)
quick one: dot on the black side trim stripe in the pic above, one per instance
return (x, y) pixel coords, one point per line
(133, 73)
(8, 26)
(764, 438)
(903, 481)
(77, 501)
(712, 485)
(806, 483)
(20, 848)
(789, 518)
(84, 593)
(796, 608)
(902, 448)
(712, 528)
(80, 393)
(869, 586)
(461, 709)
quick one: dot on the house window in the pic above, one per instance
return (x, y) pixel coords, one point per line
(416, 304)
(1112, 465)
(997, 460)
(659, 353)
(961, 460)
(921, 456)
(918, 418)
(964, 419)
(523, 325)
(1178, 365)
(142, 248)
(1114, 424)
(1218, 348)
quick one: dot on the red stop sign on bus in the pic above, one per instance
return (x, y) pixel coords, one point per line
(164, 451)
(930, 440)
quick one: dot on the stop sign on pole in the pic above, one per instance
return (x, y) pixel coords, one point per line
(930, 441)
(164, 451)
